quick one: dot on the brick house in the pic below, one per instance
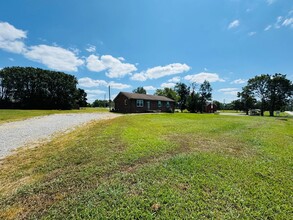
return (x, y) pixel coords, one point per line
(126, 102)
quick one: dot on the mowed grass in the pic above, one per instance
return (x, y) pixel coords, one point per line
(156, 166)
(8, 115)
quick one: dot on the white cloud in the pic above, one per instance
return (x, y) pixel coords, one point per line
(229, 91)
(93, 95)
(95, 92)
(149, 88)
(115, 68)
(250, 34)
(234, 24)
(9, 32)
(161, 71)
(175, 79)
(167, 85)
(139, 77)
(288, 22)
(282, 21)
(88, 82)
(171, 69)
(91, 48)
(268, 27)
(11, 39)
(12, 46)
(278, 22)
(201, 77)
(239, 81)
(115, 85)
(73, 49)
(56, 58)
(95, 64)
(271, 1)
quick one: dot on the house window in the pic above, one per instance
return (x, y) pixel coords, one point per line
(139, 103)
(168, 104)
(125, 101)
(159, 104)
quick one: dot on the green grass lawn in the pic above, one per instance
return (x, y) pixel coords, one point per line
(8, 115)
(156, 166)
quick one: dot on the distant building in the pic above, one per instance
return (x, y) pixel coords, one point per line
(126, 102)
(211, 108)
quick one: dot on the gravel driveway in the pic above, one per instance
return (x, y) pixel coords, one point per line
(33, 130)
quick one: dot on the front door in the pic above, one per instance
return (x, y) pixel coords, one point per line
(149, 105)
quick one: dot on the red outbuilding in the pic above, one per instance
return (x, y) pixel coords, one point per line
(211, 108)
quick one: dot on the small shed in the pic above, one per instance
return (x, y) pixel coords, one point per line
(126, 102)
(211, 108)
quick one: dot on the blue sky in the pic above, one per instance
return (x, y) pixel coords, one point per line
(150, 43)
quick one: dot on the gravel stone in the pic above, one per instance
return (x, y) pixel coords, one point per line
(38, 129)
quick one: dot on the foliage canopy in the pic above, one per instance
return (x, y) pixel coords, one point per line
(139, 90)
(35, 88)
(272, 91)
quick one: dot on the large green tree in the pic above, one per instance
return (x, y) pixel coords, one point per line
(259, 88)
(280, 90)
(205, 92)
(247, 101)
(139, 90)
(35, 88)
(193, 100)
(219, 105)
(167, 92)
(183, 93)
(81, 98)
(272, 92)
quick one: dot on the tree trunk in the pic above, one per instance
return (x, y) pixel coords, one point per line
(262, 108)
(261, 112)
(272, 107)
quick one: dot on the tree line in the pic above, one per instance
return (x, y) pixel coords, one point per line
(35, 88)
(266, 92)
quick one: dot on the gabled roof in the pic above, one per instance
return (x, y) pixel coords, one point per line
(145, 97)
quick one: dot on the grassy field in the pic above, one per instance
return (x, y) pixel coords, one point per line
(164, 166)
(8, 115)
